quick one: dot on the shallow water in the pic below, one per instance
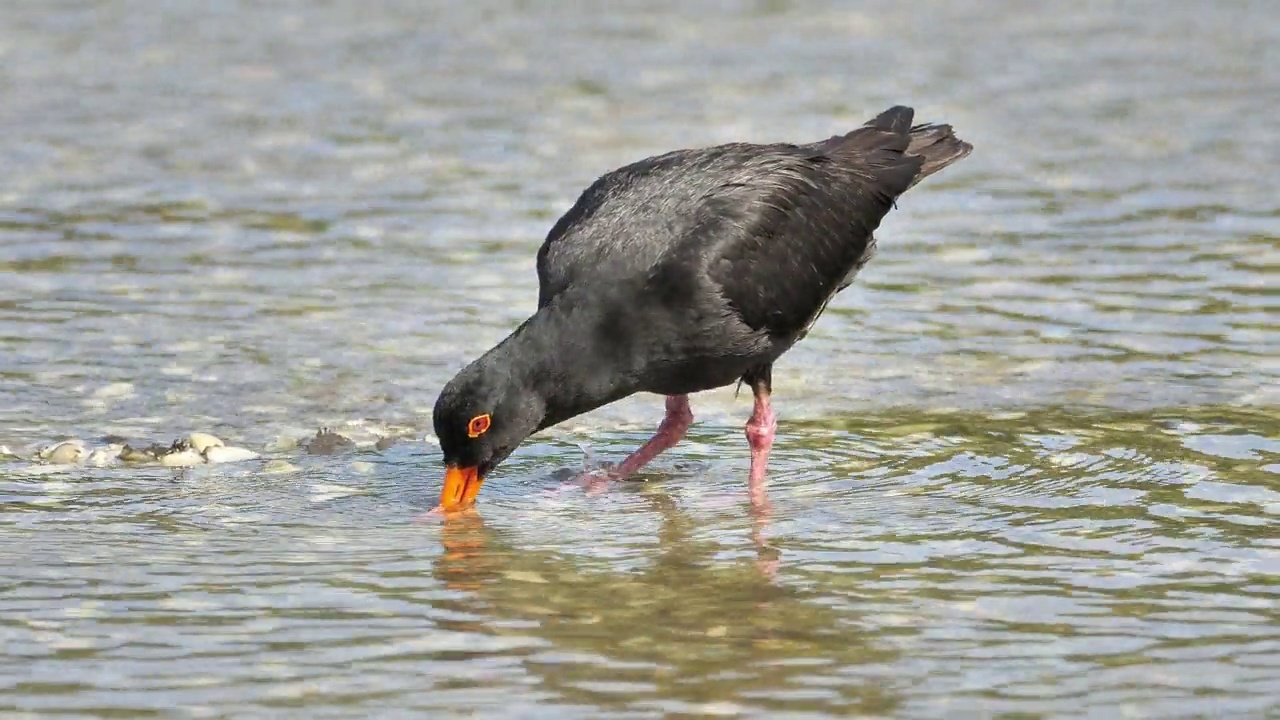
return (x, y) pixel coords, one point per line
(1028, 465)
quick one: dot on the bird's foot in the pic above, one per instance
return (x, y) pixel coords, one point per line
(439, 513)
(760, 432)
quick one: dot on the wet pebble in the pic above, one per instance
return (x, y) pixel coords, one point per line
(279, 467)
(181, 454)
(282, 443)
(327, 442)
(67, 453)
(102, 457)
(195, 449)
(203, 441)
(114, 391)
(131, 454)
(47, 451)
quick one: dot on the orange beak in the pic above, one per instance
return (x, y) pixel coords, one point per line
(461, 485)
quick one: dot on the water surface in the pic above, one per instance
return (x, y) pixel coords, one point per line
(1029, 465)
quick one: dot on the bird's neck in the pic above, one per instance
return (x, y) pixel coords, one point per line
(558, 355)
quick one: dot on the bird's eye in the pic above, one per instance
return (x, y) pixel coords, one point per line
(478, 426)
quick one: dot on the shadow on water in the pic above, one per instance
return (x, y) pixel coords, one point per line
(685, 632)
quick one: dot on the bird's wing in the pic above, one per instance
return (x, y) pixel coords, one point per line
(727, 199)
(781, 238)
(621, 221)
(778, 228)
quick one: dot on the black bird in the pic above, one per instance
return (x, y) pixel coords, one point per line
(680, 273)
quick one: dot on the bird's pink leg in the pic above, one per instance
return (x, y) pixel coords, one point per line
(760, 431)
(674, 426)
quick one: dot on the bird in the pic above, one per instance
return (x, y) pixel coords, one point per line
(680, 273)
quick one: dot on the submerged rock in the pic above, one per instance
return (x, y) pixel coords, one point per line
(281, 443)
(102, 457)
(279, 467)
(218, 454)
(327, 442)
(131, 454)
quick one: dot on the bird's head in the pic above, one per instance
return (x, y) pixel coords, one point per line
(480, 418)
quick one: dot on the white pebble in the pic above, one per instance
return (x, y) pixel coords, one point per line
(282, 444)
(203, 441)
(324, 492)
(279, 466)
(181, 458)
(223, 454)
(47, 451)
(114, 390)
(68, 453)
(103, 457)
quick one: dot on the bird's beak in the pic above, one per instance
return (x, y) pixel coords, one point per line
(461, 485)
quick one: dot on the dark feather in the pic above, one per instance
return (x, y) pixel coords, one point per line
(778, 228)
(689, 271)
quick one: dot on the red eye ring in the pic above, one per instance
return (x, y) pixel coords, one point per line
(478, 426)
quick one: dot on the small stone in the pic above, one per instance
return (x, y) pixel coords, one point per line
(282, 443)
(327, 442)
(103, 457)
(45, 452)
(279, 467)
(67, 453)
(114, 390)
(385, 442)
(203, 441)
(132, 454)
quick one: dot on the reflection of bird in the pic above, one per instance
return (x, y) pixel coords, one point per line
(680, 273)
(691, 623)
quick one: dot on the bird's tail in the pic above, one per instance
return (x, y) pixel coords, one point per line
(936, 145)
(939, 147)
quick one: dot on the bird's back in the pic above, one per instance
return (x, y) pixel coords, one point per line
(629, 219)
(695, 266)
(747, 213)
